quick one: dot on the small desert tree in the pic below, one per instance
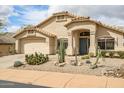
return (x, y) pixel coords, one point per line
(75, 52)
(94, 65)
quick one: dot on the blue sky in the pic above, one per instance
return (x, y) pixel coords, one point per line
(20, 15)
(22, 11)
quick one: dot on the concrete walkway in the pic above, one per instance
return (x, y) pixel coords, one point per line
(60, 80)
(7, 61)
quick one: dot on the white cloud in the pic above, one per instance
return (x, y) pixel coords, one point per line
(112, 14)
(5, 12)
(34, 17)
(12, 28)
(108, 14)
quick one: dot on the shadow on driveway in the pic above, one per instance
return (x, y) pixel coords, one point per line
(9, 84)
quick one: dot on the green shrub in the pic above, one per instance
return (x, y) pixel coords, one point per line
(18, 63)
(103, 53)
(121, 54)
(85, 57)
(111, 54)
(91, 54)
(36, 59)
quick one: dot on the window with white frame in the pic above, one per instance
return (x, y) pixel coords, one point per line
(106, 43)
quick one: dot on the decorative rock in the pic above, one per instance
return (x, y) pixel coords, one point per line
(80, 64)
(56, 63)
(107, 54)
(88, 62)
(61, 64)
(18, 63)
(108, 72)
(116, 55)
(72, 62)
(93, 66)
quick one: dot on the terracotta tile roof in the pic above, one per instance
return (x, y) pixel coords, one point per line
(33, 28)
(84, 19)
(6, 38)
(75, 18)
(59, 13)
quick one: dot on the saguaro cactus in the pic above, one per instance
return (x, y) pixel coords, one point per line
(61, 53)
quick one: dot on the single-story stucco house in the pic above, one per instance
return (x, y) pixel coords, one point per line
(7, 43)
(80, 33)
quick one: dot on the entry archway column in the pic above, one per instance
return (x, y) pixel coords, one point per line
(69, 50)
(92, 48)
(17, 46)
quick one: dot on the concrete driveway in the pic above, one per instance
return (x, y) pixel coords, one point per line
(7, 61)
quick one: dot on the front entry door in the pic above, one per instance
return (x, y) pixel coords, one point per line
(84, 46)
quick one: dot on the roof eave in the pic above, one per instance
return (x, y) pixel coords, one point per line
(98, 23)
(37, 29)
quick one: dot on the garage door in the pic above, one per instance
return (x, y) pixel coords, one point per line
(32, 45)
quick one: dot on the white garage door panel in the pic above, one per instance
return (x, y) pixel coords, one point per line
(34, 45)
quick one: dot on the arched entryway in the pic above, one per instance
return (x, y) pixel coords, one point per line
(84, 42)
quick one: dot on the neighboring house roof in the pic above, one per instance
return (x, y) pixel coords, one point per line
(6, 38)
(82, 19)
(36, 29)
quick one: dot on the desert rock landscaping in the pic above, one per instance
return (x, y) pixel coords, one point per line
(103, 65)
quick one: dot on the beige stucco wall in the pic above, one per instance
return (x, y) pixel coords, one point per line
(52, 46)
(56, 27)
(4, 49)
(71, 32)
(115, 34)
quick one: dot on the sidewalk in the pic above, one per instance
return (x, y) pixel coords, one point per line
(60, 80)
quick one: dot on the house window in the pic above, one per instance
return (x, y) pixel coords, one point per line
(106, 44)
(30, 32)
(65, 42)
(61, 18)
(85, 34)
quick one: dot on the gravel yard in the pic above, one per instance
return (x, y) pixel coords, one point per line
(108, 63)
